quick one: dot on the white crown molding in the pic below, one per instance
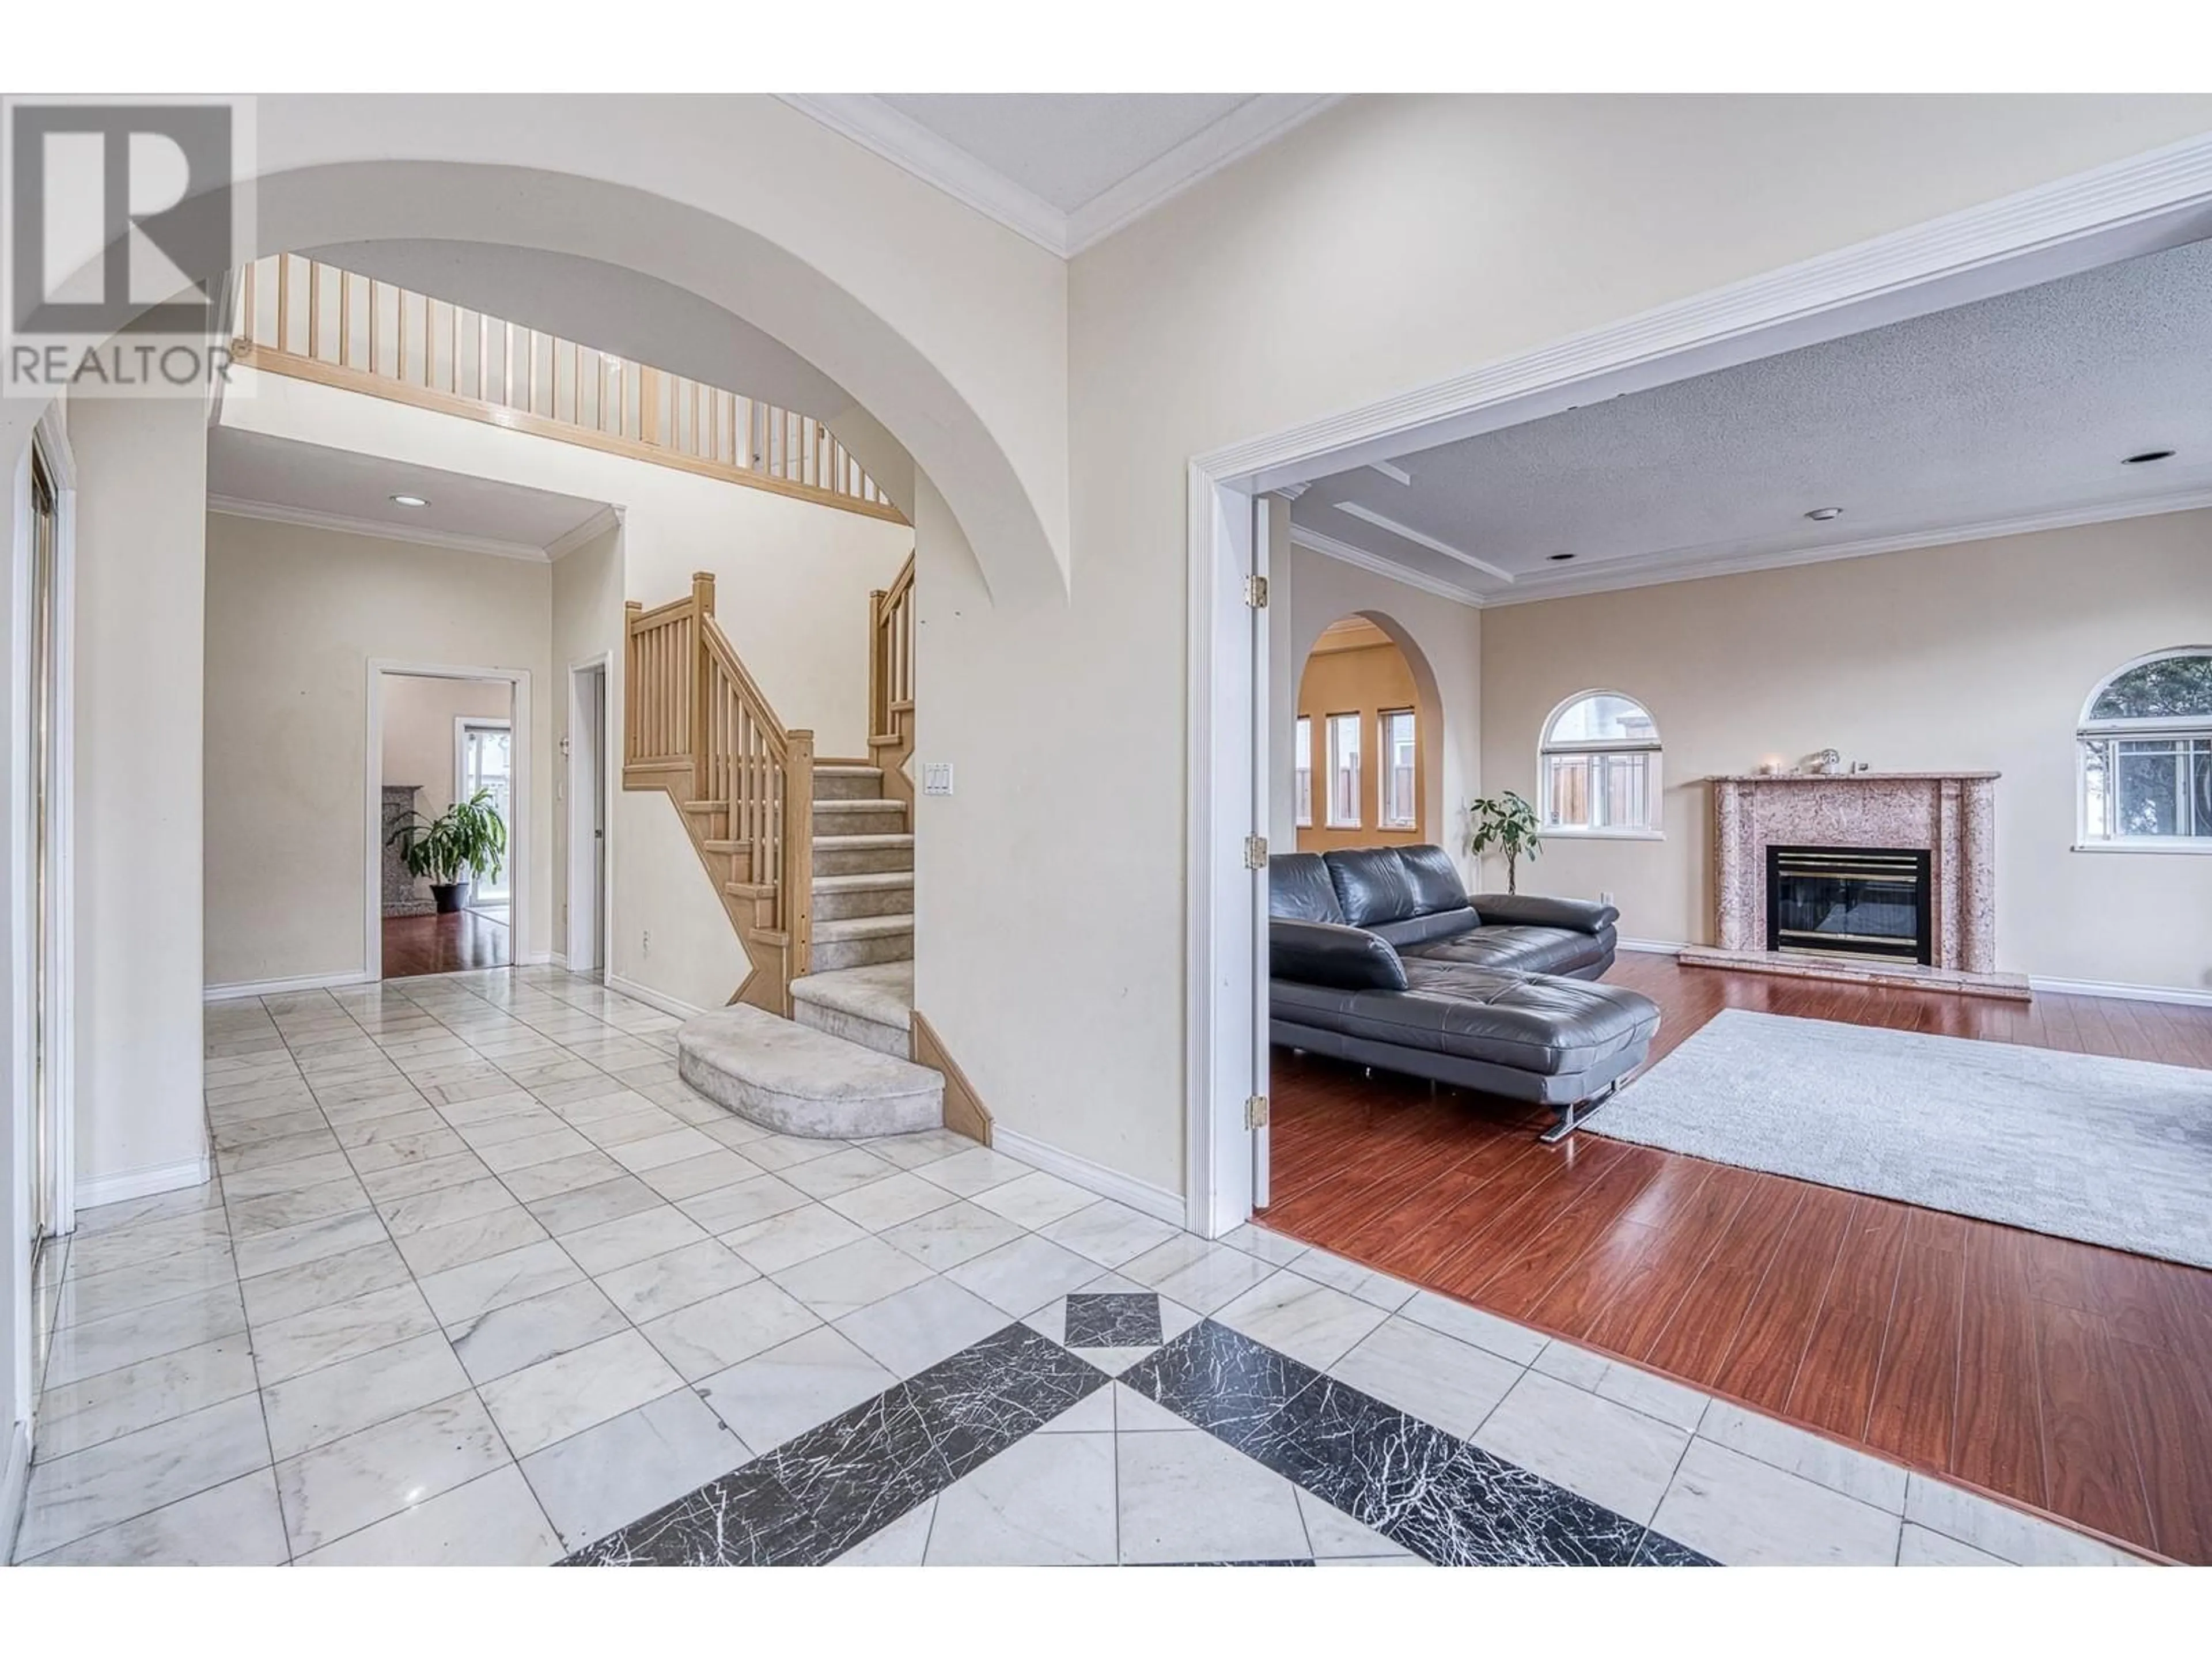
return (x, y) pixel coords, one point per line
(2138, 205)
(1252, 126)
(1329, 548)
(606, 518)
(1407, 533)
(876, 126)
(879, 128)
(307, 518)
(1702, 563)
(1628, 573)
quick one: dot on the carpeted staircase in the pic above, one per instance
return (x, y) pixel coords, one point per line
(842, 1066)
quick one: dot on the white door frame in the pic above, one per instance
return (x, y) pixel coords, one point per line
(518, 679)
(2140, 205)
(18, 1399)
(575, 943)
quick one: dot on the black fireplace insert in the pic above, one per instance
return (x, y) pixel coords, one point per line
(1860, 902)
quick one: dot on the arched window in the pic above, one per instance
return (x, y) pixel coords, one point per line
(2146, 748)
(1599, 767)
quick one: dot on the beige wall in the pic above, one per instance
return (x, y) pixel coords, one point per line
(293, 618)
(1364, 680)
(142, 480)
(418, 731)
(1978, 656)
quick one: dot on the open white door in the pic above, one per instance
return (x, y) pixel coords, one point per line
(587, 818)
(1270, 517)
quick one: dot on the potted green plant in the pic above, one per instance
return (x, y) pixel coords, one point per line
(1508, 824)
(466, 843)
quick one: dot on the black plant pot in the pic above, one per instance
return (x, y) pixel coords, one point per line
(450, 895)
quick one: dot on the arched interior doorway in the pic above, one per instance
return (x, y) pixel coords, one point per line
(1356, 742)
(1367, 738)
(896, 408)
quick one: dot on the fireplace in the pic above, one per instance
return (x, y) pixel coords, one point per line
(1868, 902)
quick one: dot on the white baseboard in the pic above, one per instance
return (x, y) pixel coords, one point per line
(540, 959)
(1156, 1201)
(277, 988)
(93, 1191)
(1658, 947)
(2187, 996)
(15, 1487)
(651, 997)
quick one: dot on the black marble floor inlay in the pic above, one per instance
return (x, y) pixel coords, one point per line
(1114, 1320)
(817, 1496)
(1444, 1499)
(831, 1488)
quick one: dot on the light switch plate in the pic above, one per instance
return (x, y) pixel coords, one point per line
(937, 778)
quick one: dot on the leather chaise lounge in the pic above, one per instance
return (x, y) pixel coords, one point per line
(1379, 956)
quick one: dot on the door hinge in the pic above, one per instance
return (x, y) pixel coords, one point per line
(1256, 592)
(1255, 852)
(1256, 1112)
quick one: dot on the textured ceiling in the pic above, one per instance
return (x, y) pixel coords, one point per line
(1067, 148)
(2021, 405)
(250, 467)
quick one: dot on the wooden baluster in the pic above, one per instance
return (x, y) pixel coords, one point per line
(796, 865)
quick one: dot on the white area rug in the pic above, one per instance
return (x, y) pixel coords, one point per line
(2111, 1152)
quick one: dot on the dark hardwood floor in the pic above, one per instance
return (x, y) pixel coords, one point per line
(444, 944)
(2071, 1378)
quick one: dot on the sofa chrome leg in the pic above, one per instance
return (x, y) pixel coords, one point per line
(1572, 1117)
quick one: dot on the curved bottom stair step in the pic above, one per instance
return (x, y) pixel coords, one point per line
(798, 1081)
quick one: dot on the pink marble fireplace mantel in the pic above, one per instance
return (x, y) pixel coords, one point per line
(1952, 814)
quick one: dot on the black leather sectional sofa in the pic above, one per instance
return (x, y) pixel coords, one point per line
(1379, 956)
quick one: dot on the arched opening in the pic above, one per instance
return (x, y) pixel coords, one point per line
(686, 283)
(898, 399)
(1367, 738)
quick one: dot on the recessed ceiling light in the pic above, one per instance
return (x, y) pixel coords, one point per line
(1561, 558)
(2148, 455)
(408, 501)
(1822, 514)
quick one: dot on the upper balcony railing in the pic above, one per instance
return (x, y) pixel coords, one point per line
(300, 318)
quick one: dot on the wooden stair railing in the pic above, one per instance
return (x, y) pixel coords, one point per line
(890, 682)
(696, 726)
(311, 321)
